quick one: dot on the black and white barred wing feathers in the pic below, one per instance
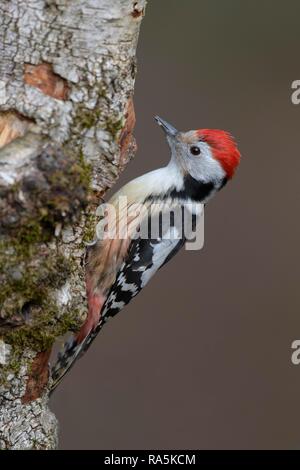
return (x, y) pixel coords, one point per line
(145, 258)
(135, 262)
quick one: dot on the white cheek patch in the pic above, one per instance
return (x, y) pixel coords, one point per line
(205, 166)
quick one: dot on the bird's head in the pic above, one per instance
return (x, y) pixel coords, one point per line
(207, 155)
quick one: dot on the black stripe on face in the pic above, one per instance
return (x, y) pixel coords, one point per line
(193, 189)
(224, 182)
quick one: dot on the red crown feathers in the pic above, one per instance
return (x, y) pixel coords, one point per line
(224, 148)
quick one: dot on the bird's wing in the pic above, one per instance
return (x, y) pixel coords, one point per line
(116, 272)
(145, 258)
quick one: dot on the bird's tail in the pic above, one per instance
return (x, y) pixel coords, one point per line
(72, 351)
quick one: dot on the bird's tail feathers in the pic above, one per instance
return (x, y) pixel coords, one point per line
(72, 350)
(65, 360)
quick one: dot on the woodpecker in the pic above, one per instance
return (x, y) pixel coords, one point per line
(118, 267)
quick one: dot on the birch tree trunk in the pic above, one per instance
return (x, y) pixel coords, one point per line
(67, 70)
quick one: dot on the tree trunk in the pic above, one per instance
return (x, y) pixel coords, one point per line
(67, 70)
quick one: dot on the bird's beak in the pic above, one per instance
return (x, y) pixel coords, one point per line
(168, 128)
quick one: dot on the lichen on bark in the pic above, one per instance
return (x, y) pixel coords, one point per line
(67, 73)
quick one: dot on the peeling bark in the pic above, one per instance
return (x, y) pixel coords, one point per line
(67, 71)
(12, 126)
(42, 77)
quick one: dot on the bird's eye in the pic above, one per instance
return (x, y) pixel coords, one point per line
(195, 150)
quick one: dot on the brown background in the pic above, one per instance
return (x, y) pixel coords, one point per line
(201, 358)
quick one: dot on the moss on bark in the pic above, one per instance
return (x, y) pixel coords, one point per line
(31, 265)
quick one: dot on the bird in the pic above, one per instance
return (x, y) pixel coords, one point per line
(125, 253)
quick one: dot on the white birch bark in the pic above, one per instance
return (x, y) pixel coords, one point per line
(67, 70)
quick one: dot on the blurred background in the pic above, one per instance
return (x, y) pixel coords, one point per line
(201, 359)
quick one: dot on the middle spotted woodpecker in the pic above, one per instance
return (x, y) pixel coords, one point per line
(119, 266)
